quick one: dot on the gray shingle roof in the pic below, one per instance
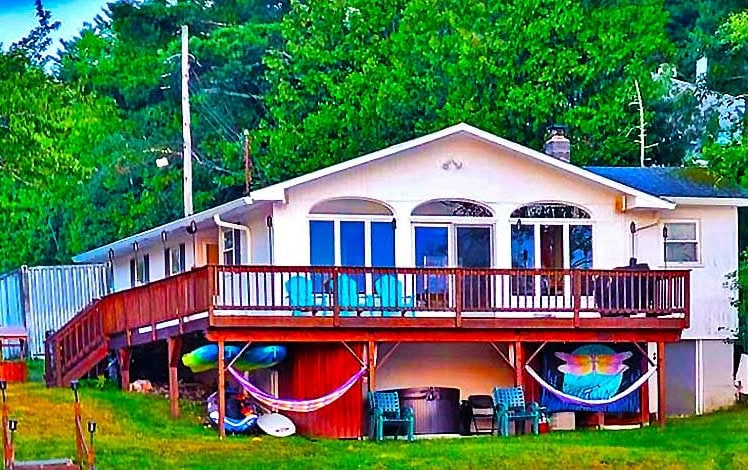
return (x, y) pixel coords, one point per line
(671, 181)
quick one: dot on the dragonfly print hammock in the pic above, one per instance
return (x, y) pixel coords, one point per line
(299, 406)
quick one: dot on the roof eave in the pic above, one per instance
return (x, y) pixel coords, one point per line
(711, 201)
(101, 253)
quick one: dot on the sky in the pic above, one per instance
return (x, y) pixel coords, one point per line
(17, 17)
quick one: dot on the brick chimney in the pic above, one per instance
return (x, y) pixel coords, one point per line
(558, 145)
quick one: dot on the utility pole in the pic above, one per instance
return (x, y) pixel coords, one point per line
(186, 135)
(247, 164)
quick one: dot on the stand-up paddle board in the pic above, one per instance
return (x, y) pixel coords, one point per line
(276, 425)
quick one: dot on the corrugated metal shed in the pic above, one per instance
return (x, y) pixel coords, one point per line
(44, 298)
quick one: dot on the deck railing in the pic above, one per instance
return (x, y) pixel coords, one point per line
(342, 293)
(348, 291)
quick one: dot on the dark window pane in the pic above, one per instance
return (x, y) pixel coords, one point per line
(321, 249)
(352, 246)
(681, 252)
(580, 246)
(523, 256)
(552, 257)
(382, 244)
(681, 231)
(431, 251)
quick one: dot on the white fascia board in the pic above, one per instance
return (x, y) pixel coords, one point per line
(711, 201)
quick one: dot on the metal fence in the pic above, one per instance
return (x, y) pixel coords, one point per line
(44, 298)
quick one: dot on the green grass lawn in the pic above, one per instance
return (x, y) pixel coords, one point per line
(135, 431)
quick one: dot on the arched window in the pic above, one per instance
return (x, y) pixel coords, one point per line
(549, 210)
(452, 208)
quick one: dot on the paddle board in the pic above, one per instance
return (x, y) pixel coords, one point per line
(276, 425)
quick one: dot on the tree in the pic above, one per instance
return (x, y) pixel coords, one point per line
(35, 45)
(131, 55)
(45, 129)
(354, 76)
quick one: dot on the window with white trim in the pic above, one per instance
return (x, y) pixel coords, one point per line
(174, 260)
(232, 246)
(682, 242)
(140, 272)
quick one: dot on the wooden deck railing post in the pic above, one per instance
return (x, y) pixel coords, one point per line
(576, 281)
(459, 301)
(335, 303)
(212, 294)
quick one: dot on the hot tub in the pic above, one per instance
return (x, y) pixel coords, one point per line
(436, 409)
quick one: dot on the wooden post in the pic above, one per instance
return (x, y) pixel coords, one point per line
(661, 396)
(371, 352)
(174, 346)
(576, 281)
(221, 390)
(123, 355)
(644, 394)
(519, 364)
(459, 301)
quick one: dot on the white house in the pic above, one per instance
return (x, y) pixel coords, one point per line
(462, 197)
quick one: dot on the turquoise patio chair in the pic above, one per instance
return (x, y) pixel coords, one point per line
(509, 405)
(301, 295)
(390, 291)
(384, 409)
(347, 296)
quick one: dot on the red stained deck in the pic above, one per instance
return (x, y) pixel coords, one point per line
(240, 303)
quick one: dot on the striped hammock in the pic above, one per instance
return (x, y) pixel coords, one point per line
(299, 406)
(583, 401)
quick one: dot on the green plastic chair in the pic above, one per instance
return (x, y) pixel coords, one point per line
(384, 410)
(509, 405)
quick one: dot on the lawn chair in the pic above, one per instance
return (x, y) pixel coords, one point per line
(384, 408)
(509, 405)
(347, 296)
(390, 291)
(300, 294)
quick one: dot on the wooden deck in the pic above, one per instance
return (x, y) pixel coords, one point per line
(278, 303)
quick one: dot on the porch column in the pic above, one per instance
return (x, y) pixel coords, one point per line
(661, 396)
(221, 390)
(174, 345)
(371, 351)
(123, 357)
(519, 364)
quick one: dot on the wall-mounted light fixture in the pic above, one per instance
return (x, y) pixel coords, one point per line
(192, 228)
(135, 246)
(164, 236)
